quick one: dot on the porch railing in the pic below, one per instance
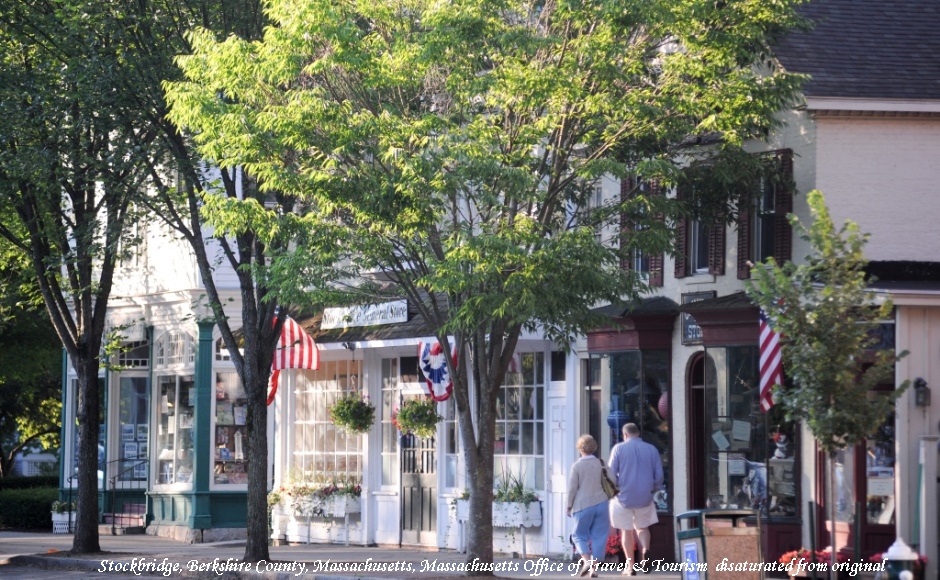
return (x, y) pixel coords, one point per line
(129, 473)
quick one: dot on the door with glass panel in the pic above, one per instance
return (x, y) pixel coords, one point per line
(418, 470)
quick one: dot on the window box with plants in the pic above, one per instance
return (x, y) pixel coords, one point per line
(513, 505)
(63, 517)
(294, 505)
(353, 413)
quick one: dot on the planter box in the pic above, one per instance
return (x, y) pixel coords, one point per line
(338, 506)
(507, 514)
(463, 510)
(63, 523)
(514, 515)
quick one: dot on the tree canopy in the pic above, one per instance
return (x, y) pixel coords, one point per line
(826, 315)
(460, 146)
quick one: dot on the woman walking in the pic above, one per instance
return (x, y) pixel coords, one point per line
(587, 504)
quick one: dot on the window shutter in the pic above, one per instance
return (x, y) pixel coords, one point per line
(656, 260)
(682, 245)
(626, 226)
(783, 237)
(744, 237)
(716, 249)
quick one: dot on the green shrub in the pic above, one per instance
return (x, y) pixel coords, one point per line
(22, 482)
(27, 509)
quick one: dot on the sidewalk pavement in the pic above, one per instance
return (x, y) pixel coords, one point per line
(129, 556)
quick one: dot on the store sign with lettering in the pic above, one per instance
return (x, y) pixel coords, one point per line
(692, 332)
(368, 315)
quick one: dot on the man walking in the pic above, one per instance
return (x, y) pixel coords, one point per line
(639, 472)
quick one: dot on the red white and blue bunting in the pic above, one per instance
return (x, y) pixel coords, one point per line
(433, 363)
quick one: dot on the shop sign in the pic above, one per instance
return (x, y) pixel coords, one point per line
(368, 315)
(692, 332)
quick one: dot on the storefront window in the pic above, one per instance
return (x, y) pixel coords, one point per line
(175, 429)
(321, 450)
(231, 431)
(135, 428)
(639, 393)
(102, 426)
(389, 431)
(520, 411)
(880, 475)
(751, 459)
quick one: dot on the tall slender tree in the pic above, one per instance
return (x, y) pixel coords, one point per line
(68, 178)
(825, 314)
(461, 143)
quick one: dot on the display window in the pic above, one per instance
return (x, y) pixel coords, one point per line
(638, 385)
(519, 447)
(321, 450)
(751, 455)
(231, 430)
(134, 420)
(176, 397)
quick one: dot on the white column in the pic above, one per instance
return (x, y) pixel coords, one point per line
(928, 503)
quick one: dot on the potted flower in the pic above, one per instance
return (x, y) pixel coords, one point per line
(418, 416)
(62, 519)
(296, 503)
(353, 413)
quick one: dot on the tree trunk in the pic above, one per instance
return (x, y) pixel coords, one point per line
(256, 524)
(480, 533)
(85, 540)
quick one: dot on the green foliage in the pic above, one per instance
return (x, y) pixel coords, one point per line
(353, 413)
(25, 482)
(418, 416)
(825, 313)
(511, 489)
(27, 509)
(61, 507)
(455, 149)
(30, 385)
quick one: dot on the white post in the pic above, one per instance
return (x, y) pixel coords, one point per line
(928, 503)
(522, 529)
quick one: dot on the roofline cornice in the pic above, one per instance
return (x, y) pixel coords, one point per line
(844, 106)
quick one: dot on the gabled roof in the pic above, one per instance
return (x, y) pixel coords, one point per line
(868, 49)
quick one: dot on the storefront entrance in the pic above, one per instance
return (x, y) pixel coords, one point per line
(418, 490)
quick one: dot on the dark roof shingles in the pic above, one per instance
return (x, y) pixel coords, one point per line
(875, 49)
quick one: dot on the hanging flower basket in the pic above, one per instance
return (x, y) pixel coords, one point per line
(353, 413)
(418, 416)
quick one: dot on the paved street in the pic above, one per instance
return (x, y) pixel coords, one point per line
(28, 556)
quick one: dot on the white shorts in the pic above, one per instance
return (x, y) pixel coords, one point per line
(624, 518)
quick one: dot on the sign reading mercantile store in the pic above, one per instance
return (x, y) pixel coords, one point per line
(368, 315)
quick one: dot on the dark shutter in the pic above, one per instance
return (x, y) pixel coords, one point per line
(783, 235)
(626, 226)
(682, 244)
(656, 260)
(716, 249)
(744, 237)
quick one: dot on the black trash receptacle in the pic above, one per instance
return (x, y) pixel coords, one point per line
(717, 544)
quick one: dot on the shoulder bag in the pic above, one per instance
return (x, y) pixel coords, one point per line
(607, 484)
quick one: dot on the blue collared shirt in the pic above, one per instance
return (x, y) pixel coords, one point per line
(639, 472)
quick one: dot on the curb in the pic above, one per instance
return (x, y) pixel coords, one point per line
(44, 562)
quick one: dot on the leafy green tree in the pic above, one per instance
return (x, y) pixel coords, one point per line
(825, 313)
(460, 145)
(68, 175)
(30, 365)
(126, 50)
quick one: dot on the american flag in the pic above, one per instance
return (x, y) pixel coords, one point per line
(295, 350)
(771, 365)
